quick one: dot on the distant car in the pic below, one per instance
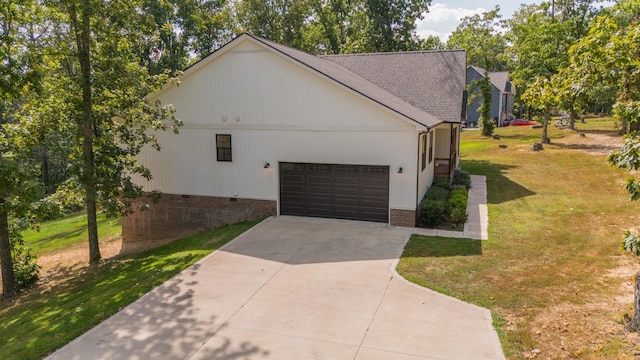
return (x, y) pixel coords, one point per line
(522, 122)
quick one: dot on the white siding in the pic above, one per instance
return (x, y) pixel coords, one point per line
(426, 176)
(443, 139)
(275, 111)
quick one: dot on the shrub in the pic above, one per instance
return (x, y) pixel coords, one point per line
(459, 215)
(25, 266)
(441, 183)
(458, 198)
(458, 206)
(437, 193)
(433, 212)
(462, 178)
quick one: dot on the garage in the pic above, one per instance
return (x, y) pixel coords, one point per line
(354, 192)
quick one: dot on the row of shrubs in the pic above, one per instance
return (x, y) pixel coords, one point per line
(446, 202)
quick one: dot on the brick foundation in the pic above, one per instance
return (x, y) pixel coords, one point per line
(176, 216)
(403, 217)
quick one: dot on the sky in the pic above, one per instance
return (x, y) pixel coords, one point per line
(444, 15)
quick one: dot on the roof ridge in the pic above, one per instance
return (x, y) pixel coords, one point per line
(410, 52)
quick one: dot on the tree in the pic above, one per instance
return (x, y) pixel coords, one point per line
(328, 29)
(392, 24)
(629, 158)
(175, 33)
(540, 39)
(621, 29)
(486, 122)
(282, 21)
(481, 37)
(100, 90)
(433, 42)
(608, 58)
(572, 88)
(19, 74)
(542, 98)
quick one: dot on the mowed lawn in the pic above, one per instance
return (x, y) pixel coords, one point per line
(61, 233)
(552, 272)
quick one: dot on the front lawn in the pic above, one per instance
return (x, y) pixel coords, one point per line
(552, 271)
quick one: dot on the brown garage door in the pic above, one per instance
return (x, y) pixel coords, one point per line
(356, 192)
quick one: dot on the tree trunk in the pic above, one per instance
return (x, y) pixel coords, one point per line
(572, 117)
(88, 179)
(9, 286)
(545, 128)
(46, 175)
(634, 324)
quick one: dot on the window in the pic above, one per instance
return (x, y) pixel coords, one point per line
(431, 146)
(223, 147)
(424, 151)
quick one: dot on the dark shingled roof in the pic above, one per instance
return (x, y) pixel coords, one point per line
(432, 81)
(425, 87)
(499, 79)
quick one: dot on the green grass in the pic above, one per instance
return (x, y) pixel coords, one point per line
(555, 220)
(36, 324)
(61, 233)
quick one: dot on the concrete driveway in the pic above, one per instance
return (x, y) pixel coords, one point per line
(295, 288)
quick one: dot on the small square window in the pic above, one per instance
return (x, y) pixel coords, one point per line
(223, 147)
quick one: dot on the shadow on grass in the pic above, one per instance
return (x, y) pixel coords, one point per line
(60, 236)
(591, 148)
(532, 137)
(431, 246)
(500, 188)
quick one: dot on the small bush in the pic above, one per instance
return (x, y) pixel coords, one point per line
(444, 204)
(459, 215)
(458, 206)
(25, 266)
(462, 178)
(433, 212)
(441, 183)
(458, 198)
(437, 193)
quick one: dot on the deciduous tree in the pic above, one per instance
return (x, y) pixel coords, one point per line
(101, 91)
(19, 75)
(481, 36)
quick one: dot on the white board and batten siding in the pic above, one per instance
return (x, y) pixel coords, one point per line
(275, 111)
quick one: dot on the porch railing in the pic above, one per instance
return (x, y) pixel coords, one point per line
(444, 167)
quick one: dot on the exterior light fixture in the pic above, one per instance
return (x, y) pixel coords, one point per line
(267, 165)
(400, 171)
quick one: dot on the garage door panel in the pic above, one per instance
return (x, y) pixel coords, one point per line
(335, 191)
(346, 191)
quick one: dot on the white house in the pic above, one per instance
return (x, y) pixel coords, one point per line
(270, 130)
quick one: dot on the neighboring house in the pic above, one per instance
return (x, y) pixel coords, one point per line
(270, 130)
(502, 95)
